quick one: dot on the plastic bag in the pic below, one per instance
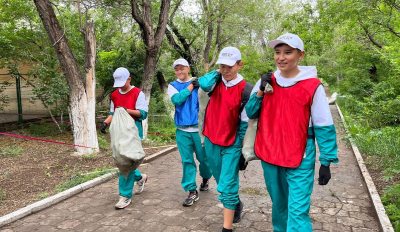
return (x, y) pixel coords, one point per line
(249, 140)
(126, 144)
(203, 101)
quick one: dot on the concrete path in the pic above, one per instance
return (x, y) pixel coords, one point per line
(342, 205)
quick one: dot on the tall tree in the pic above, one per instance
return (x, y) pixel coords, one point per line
(152, 38)
(82, 93)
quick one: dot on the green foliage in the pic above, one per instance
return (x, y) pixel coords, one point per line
(42, 129)
(80, 178)
(391, 200)
(160, 122)
(3, 194)
(43, 195)
(103, 143)
(11, 151)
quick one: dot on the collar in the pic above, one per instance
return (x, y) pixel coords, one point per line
(234, 82)
(178, 80)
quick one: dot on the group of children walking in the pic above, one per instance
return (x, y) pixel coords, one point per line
(290, 120)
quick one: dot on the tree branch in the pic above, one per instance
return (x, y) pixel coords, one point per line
(370, 37)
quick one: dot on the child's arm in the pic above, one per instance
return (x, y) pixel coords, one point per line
(177, 97)
(324, 129)
(141, 108)
(208, 81)
(253, 106)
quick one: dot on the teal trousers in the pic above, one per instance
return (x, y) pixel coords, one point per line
(187, 143)
(224, 163)
(290, 191)
(125, 186)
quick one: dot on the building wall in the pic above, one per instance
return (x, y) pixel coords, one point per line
(30, 105)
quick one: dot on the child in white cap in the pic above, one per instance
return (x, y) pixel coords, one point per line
(184, 95)
(224, 126)
(132, 99)
(290, 119)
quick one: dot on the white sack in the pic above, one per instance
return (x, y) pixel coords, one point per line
(203, 101)
(249, 140)
(126, 144)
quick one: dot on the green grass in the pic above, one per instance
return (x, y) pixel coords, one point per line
(161, 124)
(11, 151)
(382, 148)
(80, 178)
(3, 194)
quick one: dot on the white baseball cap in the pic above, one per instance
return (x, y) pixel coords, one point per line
(290, 39)
(120, 76)
(180, 61)
(229, 56)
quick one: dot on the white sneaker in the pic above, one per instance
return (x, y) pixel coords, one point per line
(123, 202)
(141, 183)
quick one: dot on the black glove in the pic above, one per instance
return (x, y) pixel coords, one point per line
(266, 78)
(103, 127)
(195, 83)
(242, 163)
(324, 175)
(122, 107)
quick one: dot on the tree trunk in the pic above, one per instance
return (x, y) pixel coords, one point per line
(75, 80)
(90, 63)
(147, 82)
(152, 39)
(167, 101)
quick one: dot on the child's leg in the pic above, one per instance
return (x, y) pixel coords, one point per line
(213, 154)
(185, 146)
(301, 182)
(275, 180)
(126, 185)
(204, 167)
(228, 184)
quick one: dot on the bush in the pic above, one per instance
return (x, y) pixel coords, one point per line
(391, 200)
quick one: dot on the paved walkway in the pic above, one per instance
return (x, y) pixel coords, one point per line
(342, 205)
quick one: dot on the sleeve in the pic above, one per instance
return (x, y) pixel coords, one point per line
(242, 129)
(111, 108)
(177, 97)
(324, 129)
(141, 105)
(253, 106)
(208, 81)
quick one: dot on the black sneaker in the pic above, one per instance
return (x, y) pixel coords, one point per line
(193, 197)
(204, 185)
(238, 212)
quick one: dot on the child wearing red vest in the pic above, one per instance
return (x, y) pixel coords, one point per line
(132, 99)
(224, 127)
(290, 119)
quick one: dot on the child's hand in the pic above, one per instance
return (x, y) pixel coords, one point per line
(218, 70)
(266, 78)
(324, 175)
(103, 127)
(122, 107)
(195, 83)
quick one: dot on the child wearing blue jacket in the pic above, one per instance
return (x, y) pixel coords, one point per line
(183, 94)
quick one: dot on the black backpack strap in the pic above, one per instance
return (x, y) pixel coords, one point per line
(246, 95)
(216, 84)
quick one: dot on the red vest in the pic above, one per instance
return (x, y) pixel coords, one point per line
(283, 124)
(222, 114)
(127, 100)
